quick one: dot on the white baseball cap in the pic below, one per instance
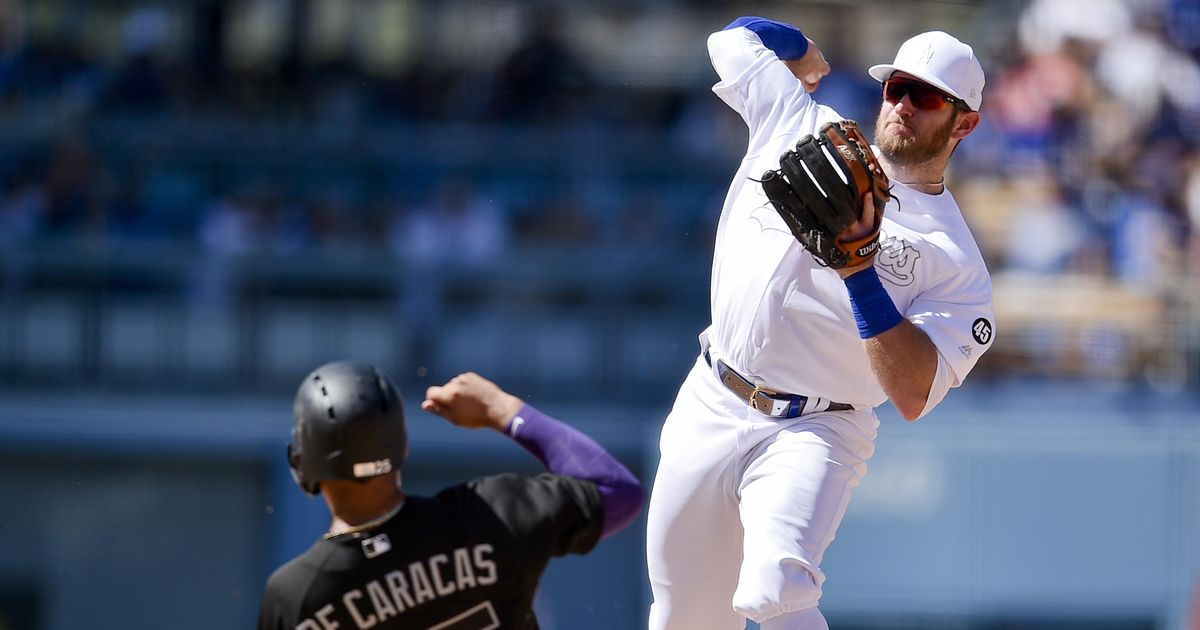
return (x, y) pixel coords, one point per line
(938, 59)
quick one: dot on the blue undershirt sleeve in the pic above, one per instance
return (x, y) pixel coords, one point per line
(785, 40)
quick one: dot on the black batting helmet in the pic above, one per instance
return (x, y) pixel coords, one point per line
(349, 425)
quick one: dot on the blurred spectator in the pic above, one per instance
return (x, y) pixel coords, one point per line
(22, 207)
(340, 102)
(54, 69)
(420, 92)
(377, 219)
(12, 55)
(227, 229)
(75, 191)
(1183, 24)
(559, 222)
(229, 225)
(130, 220)
(457, 226)
(851, 92)
(330, 224)
(642, 223)
(542, 79)
(1046, 26)
(232, 226)
(848, 88)
(1191, 206)
(1145, 240)
(1033, 102)
(142, 82)
(1045, 234)
(1143, 71)
(204, 84)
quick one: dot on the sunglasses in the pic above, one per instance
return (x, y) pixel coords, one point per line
(921, 95)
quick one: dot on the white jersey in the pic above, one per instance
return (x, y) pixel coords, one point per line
(780, 318)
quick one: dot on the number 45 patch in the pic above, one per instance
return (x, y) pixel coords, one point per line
(981, 330)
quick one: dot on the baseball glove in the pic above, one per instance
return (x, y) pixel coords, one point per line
(818, 190)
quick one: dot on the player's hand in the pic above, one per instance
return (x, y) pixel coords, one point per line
(810, 68)
(472, 402)
(859, 229)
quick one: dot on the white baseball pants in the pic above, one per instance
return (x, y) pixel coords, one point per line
(744, 506)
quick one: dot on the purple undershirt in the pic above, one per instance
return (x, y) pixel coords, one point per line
(565, 450)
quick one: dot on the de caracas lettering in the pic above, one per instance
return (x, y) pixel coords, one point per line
(407, 588)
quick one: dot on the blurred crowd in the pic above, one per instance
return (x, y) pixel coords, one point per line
(1086, 176)
(1096, 125)
(1087, 162)
(79, 183)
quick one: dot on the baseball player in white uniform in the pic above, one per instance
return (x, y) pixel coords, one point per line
(773, 427)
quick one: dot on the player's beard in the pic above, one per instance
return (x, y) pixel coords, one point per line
(914, 150)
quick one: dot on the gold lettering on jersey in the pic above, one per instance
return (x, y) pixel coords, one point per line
(405, 588)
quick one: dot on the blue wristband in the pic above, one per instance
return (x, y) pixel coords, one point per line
(873, 308)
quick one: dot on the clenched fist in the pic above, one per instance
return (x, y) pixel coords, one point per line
(472, 402)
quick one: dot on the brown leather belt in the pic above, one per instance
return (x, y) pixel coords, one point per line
(768, 401)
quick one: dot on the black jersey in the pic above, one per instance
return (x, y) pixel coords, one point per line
(469, 558)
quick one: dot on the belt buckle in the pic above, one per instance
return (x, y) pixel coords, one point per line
(754, 400)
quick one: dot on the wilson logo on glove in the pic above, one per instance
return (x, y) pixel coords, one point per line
(868, 249)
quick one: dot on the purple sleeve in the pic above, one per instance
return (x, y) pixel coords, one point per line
(565, 450)
(785, 40)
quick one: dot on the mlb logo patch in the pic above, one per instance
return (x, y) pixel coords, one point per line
(376, 545)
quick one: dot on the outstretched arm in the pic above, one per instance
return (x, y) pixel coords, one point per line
(473, 402)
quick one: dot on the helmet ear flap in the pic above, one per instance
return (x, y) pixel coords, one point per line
(293, 457)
